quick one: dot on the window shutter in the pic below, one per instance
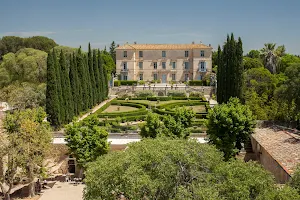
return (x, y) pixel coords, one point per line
(205, 66)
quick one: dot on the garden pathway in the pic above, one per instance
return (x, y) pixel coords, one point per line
(63, 191)
(97, 107)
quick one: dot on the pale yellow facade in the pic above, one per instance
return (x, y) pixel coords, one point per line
(163, 62)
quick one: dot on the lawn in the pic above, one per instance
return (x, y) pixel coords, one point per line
(152, 103)
(116, 108)
(198, 109)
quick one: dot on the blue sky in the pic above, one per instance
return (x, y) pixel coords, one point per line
(77, 22)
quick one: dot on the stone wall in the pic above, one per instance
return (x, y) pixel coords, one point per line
(130, 90)
(269, 163)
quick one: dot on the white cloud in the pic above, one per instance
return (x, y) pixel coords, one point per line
(29, 33)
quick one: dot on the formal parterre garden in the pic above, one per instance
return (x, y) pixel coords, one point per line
(122, 115)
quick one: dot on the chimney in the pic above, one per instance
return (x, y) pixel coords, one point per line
(209, 45)
(200, 42)
(118, 45)
(134, 42)
(193, 42)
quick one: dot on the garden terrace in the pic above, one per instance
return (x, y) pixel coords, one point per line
(117, 114)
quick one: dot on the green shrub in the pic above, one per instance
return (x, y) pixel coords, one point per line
(196, 94)
(128, 82)
(142, 82)
(196, 83)
(145, 93)
(104, 107)
(176, 94)
(159, 98)
(117, 83)
(135, 105)
(142, 111)
(155, 81)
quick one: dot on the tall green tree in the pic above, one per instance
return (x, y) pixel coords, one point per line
(178, 169)
(32, 136)
(112, 52)
(83, 88)
(230, 70)
(290, 91)
(229, 125)
(86, 140)
(92, 76)
(253, 54)
(272, 56)
(74, 82)
(66, 89)
(62, 111)
(101, 78)
(52, 99)
(88, 83)
(96, 78)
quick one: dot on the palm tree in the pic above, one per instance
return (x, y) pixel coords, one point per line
(271, 56)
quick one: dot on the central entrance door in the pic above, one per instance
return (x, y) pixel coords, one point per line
(164, 78)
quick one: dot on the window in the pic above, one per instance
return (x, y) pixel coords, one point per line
(140, 54)
(201, 53)
(163, 65)
(186, 65)
(173, 77)
(140, 65)
(163, 53)
(155, 65)
(125, 77)
(141, 77)
(155, 77)
(199, 78)
(173, 65)
(186, 77)
(125, 54)
(186, 53)
(125, 65)
(202, 67)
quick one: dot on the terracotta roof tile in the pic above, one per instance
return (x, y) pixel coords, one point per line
(282, 145)
(163, 46)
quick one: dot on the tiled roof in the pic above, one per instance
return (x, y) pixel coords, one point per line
(163, 46)
(283, 146)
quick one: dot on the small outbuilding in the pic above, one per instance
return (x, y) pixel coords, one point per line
(278, 150)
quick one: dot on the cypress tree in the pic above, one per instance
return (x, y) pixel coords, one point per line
(92, 76)
(101, 78)
(79, 84)
(240, 68)
(105, 82)
(230, 70)
(88, 101)
(74, 84)
(112, 52)
(83, 93)
(97, 77)
(219, 75)
(59, 90)
(52, 101)
(66, 89)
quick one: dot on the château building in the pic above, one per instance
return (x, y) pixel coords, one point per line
(163, 62)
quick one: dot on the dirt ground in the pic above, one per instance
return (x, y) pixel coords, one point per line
(63, 191)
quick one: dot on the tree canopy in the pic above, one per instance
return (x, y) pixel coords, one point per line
(28, 141)
(26, 65)
(12, 44)
(230, 70)
(86, 140)
(178, 169)
(229, 125)
(173, 126)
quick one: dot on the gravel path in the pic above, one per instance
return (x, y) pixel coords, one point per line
(63, 191)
